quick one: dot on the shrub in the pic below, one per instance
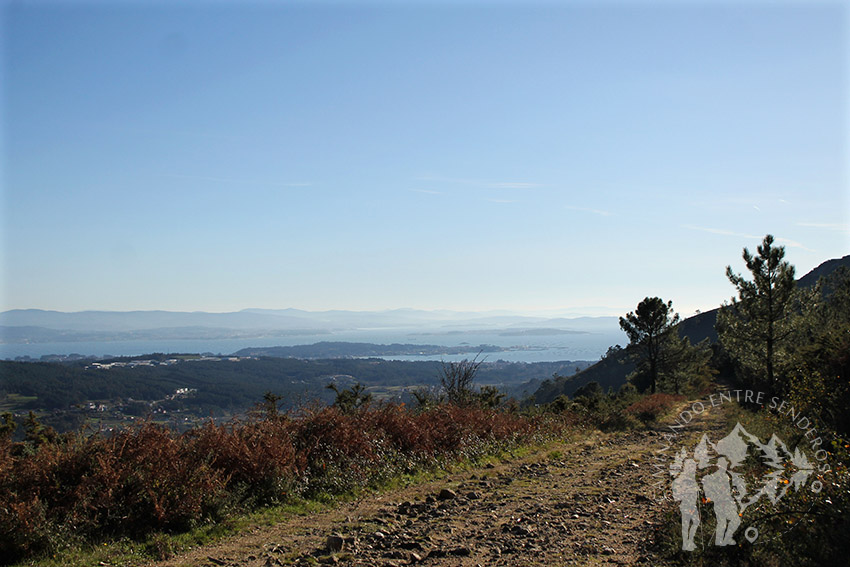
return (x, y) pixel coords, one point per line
(149, 479)
(651, 407)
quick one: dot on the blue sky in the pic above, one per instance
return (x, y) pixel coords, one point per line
(353, 155)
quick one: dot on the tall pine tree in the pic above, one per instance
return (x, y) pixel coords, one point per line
(756, 327)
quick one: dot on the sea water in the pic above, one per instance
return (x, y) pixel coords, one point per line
(537, 348)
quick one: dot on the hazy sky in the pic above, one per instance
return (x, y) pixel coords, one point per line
(357, 155)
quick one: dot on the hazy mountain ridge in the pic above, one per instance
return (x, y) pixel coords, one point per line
(33, 335)
(117, 321)
(36, 325)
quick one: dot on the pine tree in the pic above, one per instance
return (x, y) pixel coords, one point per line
(755, 328)
(820, 353)
(685, 367)
(650, 328)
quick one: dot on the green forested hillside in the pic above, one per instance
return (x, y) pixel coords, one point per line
(224, 387)
(609, 373)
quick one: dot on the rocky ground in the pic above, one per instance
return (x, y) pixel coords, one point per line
(587, 501)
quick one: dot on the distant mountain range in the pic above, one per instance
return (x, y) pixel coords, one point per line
(22, 326)
(36, 325)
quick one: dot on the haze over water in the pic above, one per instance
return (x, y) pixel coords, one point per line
(539, 348)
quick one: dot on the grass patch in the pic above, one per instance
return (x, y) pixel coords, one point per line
(11, 402)
(161, 546)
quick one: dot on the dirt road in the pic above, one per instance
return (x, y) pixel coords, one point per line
(588, 501)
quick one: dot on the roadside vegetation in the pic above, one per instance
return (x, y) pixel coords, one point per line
(804, 527)
(793, 345)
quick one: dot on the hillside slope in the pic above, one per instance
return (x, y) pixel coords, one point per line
(611, 371)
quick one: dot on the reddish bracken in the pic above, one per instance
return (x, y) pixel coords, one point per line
(653, 406)
(147, 478)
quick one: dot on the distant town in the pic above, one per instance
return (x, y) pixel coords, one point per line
(166, 362)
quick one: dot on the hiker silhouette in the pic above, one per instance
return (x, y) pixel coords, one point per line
(728, 491)
(686, 491)
(717, 487)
